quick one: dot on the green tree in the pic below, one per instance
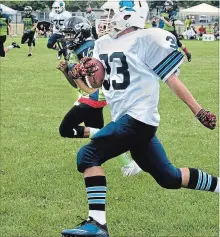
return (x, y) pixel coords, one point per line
(41, 5)
(19, 5)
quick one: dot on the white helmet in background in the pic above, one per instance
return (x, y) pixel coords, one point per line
(58, 6)
(131, 14)
(110, 8)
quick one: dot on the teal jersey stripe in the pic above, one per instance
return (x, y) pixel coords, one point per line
(171, 66)
(170, 57)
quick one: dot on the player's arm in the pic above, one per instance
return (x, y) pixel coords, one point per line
(63, 67)
(165, 66)
(183, 93)
(23, 25)
(169, 23)
(81, 84)
(208, 119)
(34, 24)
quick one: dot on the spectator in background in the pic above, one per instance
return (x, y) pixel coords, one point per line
(201, 31)
(188, 22)
(191, 33)
(216, 30)
(210, 30)
(154, 22)
(91, 17)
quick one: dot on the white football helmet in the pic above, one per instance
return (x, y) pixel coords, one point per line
(58, 6)
(131, 14)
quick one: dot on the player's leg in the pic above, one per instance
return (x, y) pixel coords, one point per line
(168, 176)
(30, 42)
(94, 122)
(64, 50)
(24, 38)
(3, 50)
(183, 47)
(94, 33)
(199, 180)
(2, 41)
(114, 139)
(69, 126)
(12, 46)
(52, 44)
(34, 39)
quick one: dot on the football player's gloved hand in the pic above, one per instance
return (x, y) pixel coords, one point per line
(62, 66)
(207, 118)
(83, 68)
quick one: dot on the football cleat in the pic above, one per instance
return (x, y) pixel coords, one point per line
(131, 169)
(60, 52)
(88, 228)
(189, 57)
(29, 55)
(15, 45)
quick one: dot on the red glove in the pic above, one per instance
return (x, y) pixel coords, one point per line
(207, 118)
(83, 68)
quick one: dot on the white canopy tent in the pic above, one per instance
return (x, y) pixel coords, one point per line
(201, 9)
(8, 10)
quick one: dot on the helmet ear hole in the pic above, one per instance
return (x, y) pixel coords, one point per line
(126, 17)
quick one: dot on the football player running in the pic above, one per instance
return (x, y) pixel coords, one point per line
(58, 16)
(110, 8)
(88, 109)
(30, 24)
(5, 27)
(135, 60)
(168, 16)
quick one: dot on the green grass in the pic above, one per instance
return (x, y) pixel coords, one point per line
(41, 190)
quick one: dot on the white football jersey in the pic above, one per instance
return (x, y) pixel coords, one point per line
(58, 21)
(134, 63)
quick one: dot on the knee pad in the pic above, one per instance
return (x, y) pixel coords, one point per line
(77, 132)
(49, 45)
(171, 179)
(23, 41)
(86, 157)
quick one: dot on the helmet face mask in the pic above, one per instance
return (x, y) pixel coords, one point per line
(28, 10)
(76, 30)
(103, 24)
(58, 7)
(168, 5)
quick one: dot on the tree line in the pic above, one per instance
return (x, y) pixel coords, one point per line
(82, 5)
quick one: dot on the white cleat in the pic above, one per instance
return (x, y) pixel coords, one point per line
(131, 169)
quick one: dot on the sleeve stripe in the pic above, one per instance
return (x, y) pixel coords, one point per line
(165, 61)
(171, 66)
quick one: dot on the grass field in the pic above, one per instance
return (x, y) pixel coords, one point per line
(41, 190)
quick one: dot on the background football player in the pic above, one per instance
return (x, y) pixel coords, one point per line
(5, 27)
(135, 61)
(30, 24)
(168, 16)
(58, 15)
(88, 109)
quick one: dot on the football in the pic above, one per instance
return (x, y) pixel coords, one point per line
(96, 80)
